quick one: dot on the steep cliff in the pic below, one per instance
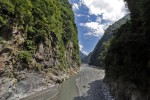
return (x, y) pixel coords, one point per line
(38, 43)
(128, 58)
(96, 58)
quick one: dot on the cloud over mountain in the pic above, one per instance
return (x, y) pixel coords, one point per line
(111, 10)
(94, 28)
(93, 17)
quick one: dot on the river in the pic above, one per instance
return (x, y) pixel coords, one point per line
(87, 85)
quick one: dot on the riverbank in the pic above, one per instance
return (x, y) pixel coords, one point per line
(47, 94)
(87, 85)
(90, 84)
(33, 83)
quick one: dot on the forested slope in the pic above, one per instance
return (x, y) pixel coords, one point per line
(128, 58)
(97, 56)
(37, 36)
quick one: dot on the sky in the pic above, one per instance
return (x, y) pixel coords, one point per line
(92, 17)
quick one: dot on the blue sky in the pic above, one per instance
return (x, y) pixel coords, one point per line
(93, 17)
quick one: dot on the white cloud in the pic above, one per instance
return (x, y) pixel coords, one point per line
(75, 7)
(85, 52)
(99, 19)
(111, 10)
(81, 49)
(94, 28)
(80, 15)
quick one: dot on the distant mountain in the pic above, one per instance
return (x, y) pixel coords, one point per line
(82, 55)
(87, 58)
(95, 60)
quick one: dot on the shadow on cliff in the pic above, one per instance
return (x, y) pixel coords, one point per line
(94, 93)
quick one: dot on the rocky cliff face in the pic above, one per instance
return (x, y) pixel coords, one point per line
(38, 44)
(96, 58)
(127, 60)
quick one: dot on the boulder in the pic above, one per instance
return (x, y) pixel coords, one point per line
(39, 57)
(56, 79)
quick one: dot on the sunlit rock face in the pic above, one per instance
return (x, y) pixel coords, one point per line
(38, 45)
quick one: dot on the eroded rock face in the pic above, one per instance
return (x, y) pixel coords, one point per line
(17, 82)
(34, 53)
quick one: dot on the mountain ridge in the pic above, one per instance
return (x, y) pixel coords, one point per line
(95, 56)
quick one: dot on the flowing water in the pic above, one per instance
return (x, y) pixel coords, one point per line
(68, 90)
(87, 85)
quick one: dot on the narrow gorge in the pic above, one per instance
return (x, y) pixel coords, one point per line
(47, 50)
(125, 57)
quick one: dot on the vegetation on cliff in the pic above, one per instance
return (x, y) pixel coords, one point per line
(47, 22)
(98, 55)
(38, 45)
(128, 58)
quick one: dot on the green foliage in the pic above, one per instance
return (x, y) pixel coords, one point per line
(95, 57)
(40, 21)
(144, 8)
(103, 54)
(25, 57)
(29, 45)
(2, 41)
(128, 56)
(38, 66)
